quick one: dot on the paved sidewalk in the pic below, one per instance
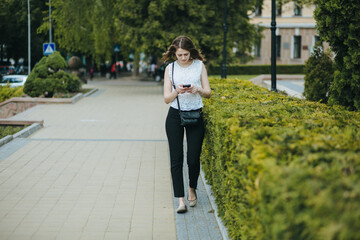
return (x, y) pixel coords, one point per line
(293, 88)
(99, 169)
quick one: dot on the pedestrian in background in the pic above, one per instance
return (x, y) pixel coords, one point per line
(189, 69)
(91, 72)
(113, 71)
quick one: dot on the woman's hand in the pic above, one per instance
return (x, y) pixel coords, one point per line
(180, 89)
(197, 90)
(192, 89)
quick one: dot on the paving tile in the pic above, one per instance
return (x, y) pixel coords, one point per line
(99, 169)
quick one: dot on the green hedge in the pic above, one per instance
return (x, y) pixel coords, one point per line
(7, 92)
(280, 167)
(256, 69)
(5, 131)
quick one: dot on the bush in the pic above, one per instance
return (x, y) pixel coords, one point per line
(281, 167)
(338, 23)
(256, 69)
(48, 77)
(6, 92)
(5, 131)
(319, 73)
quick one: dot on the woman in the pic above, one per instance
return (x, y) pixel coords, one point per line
(188, 69)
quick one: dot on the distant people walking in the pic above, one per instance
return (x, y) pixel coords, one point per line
(113, 71)
(91, 72)
(188, 69)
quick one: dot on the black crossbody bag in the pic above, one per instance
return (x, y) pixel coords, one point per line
(188, 118)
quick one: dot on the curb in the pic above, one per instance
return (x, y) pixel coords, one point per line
(91, 92)
(6, 139)
(211, 197)
(22, 134)
(28, 131)
(76, 98)
(79, 96)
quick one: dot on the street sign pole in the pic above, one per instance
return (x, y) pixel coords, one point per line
(117, 49)
(50, 37)
(29, 40)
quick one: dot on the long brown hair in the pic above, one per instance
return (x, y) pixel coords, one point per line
(183, 42)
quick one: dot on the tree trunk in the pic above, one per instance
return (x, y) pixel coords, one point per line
(135, 73)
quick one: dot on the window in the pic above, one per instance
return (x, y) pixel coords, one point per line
(316, 40)
(297, 9)
(278, 9)
(257, 49)
(278, 46)
(297, 47)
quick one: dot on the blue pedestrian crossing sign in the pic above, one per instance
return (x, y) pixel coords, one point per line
(48, 48)
(117, 48)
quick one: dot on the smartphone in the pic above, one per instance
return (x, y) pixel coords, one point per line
(186, 85)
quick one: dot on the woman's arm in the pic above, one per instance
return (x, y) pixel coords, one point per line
(170, 95)
(205, 90)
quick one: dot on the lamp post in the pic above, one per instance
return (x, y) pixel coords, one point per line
(273, 45)
(29, 39)
(223, 67)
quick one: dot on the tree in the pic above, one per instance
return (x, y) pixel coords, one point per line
(319, 73)
(84, 26)
(151, 25)
(93, 27)
(14, 29)
(338, 23)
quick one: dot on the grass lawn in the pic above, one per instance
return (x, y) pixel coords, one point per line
(243, 77)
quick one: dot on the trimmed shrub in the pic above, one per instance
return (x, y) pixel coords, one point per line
(6, 92)
(48, 77)
(9, 130)
(256, 69)
(319, 73)
(338, 23)
(281, 167)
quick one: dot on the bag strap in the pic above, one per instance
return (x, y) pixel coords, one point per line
(173, 82)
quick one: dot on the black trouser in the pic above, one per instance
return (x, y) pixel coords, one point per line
(194, 138)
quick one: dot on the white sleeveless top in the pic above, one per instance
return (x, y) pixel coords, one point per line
(189, 75)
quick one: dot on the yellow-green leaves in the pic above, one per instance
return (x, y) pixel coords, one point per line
(280, 167)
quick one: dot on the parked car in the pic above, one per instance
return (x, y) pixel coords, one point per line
(4, 70)
(13, 80)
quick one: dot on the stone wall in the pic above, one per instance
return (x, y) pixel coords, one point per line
(10, 107)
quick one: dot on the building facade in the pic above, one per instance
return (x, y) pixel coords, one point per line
(295, 33)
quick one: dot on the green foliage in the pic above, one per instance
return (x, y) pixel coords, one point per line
(48, 77)
(6, 92)
(5, 131)
(14, 32)
(93, 27)
(55, 61)
(161, 21)
(256, 69)
(338, 23)
(281, 167)
(319, 73)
